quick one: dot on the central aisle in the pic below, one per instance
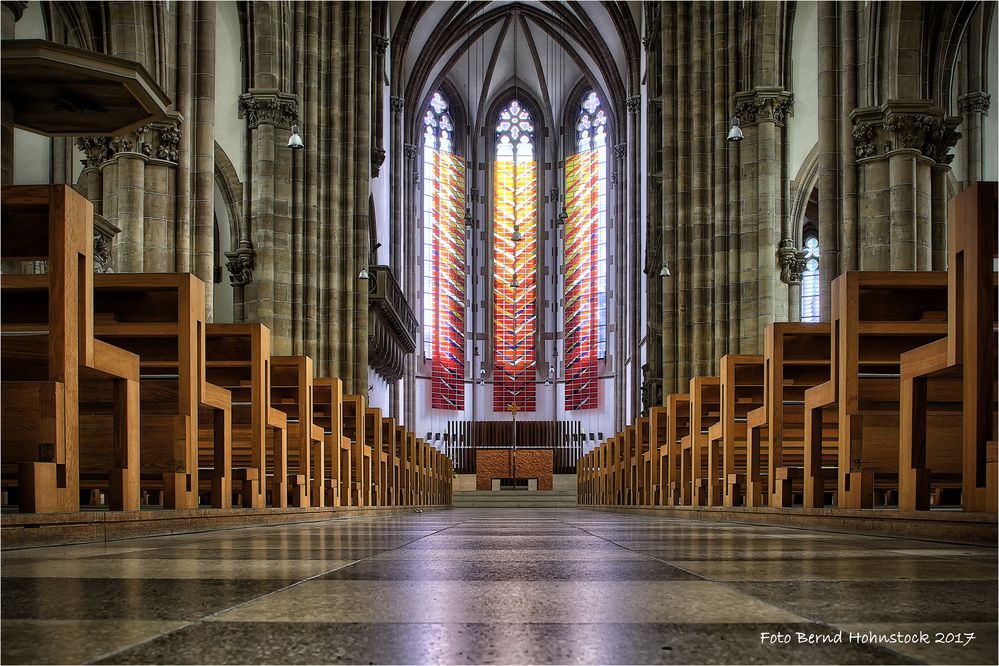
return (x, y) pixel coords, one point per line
(495, 586)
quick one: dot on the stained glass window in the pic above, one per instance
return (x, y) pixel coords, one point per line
(443, 257)
(810, 281)
(586, 256)
(514, 260)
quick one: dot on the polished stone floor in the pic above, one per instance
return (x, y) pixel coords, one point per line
(500, 586)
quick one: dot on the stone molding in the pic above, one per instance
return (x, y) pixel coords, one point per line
(634, 103)
(398, 104)
(653, 25)
(621, 151)
(878, 131)
(159, 141)
(268, 107)
(976, 102)
(791, 261)
(411, 151)
(764, 104)
(379, 44)
(240, 264)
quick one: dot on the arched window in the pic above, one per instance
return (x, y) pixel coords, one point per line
(443, 257)
(586, 255)
(810, 280)
(515, 238)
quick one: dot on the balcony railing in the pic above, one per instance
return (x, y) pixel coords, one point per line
(392, 326)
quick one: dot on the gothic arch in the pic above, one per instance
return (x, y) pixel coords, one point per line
(231, 189)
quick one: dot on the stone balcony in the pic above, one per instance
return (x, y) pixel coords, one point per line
(392, 327)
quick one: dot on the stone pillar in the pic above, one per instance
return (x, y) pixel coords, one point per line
(973, 108)
(10, 13)
(765, 110)
(130, 186)
(829, 181)
(270, 115)
(203, 216)
(792, 264)
(900, 148)
(634, 282)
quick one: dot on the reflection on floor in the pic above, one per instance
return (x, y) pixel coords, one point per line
(500, 586)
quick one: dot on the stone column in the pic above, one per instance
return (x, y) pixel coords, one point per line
(407, 219)
(203, 217)
(900, 147)
(973, 108)
(634, 281)
(269, 116)
(10, 13)
(765, 110)
(792, 265)
(829, 181)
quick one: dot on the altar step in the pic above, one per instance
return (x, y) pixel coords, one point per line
(514, 499)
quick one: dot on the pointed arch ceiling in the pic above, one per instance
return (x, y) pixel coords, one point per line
(482, 48)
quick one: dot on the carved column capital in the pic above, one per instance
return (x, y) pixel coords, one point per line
(159, 141)
(377, 159)
(240, 264)
(379, 44)
(96, 150)
(398, 104)
(904, 126)
(763, 104)
(16, 8)
(411, 151)
(621, 151)
(791, 260)
(268, 107)
(634, 103)
(976, 102)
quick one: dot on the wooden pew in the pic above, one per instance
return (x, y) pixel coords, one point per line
(627, 439)
(50, 360)
(161, 318)
(413, 490)
(401, 453)
(393, 467)
(658, 456)
(379, 460)
(327, 406)
(705, 405)
(354, 407)
(956, 374)
(877, 316)
(639, 457)
(797, 358)
(237, 359)
(292, 393)
(677, 465)
(742, 385)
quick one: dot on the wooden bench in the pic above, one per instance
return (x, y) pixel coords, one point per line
(292, 393)
(658, 456)
(160, 317)
(238, 358)
(956, 374)
(742, 387)
(675, 472)
(705, 410)
(797, 358)
(379, 460)
(51, 361)
(392, 461)
(876, 317)
(354, 407)
(327, 406)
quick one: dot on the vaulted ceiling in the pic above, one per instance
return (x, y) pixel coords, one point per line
(482, 49)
